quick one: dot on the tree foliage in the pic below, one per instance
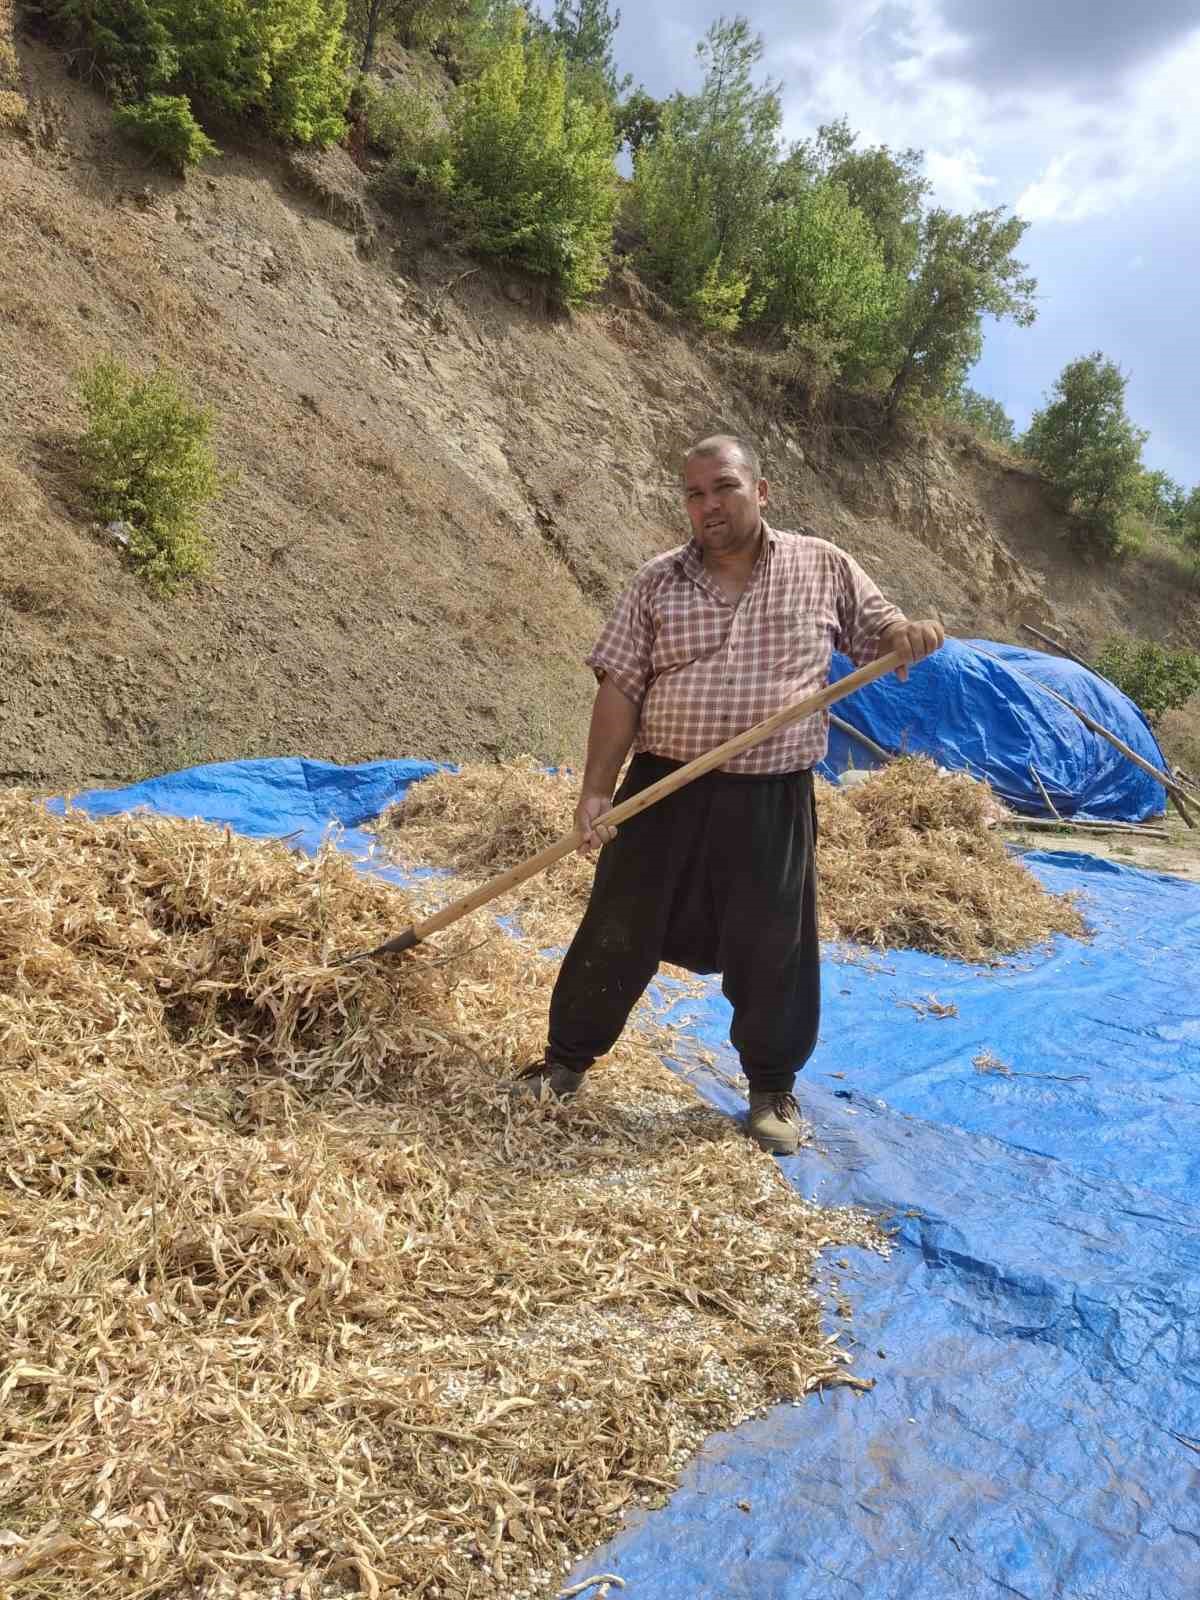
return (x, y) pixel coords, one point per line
(584, 31)
(638, 119)
(979, 411)
(820, 267)
(164, 125)
(1087, 446)
(149, 463)
(703, 183)
(888, 188)
(1155, 678)
(531, 166)
(964, 268)
(281, 63)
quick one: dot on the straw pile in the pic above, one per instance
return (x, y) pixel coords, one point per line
(291, 1301)
(485, 819)
(908, 860)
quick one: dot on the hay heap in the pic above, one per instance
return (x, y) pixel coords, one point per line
(291, 1303)
(908, 860)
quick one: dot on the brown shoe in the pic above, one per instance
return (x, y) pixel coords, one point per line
(547, 1080)
(774, 1122)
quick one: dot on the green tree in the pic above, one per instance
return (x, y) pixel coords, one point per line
(702, 185)
(531, 166)
(420, 24)
(637, 120)
(981, 412)
(887, 187)
(281, 63)
(821, 267)
(964, 268)
(1087, 446)
(1189, 521)
(164, 124)
(1161, 501)
(584, 31)
(1155, 678)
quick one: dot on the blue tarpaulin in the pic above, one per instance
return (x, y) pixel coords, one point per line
(1034, 1334)
(982, 708)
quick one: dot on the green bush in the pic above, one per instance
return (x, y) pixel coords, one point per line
(280, 62)
(716, 303)
(149, 464)
(408, 125)
(1157, 679)
(531, 168)
(164, 124)
(821, 266)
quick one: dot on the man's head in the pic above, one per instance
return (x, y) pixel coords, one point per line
(725, 493)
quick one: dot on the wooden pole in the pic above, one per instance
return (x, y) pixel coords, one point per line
(867, 744)
(1136, 829)
(1097, 728)
(1061, 648)
(637, 803)
(1050, 806)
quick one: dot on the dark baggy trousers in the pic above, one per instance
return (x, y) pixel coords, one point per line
(718, 877)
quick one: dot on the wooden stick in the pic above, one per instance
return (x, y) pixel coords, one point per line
(1061, 648)
(1164, 778)
(868, 744)
(1050, 806)
(1087, 827)
(505, 881)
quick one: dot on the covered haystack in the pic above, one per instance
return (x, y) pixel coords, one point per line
(291, 1301)
(908, 860)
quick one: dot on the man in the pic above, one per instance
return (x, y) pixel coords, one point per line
(720, 876)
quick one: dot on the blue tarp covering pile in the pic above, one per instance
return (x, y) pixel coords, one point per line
(982, 708)
(1034, 1429)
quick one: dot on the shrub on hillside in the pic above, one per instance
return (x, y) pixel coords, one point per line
(407, 124)
(1157, 679)
(280, 62)
(529, 168)
(149, 464)
(821, 267)
(164, 124)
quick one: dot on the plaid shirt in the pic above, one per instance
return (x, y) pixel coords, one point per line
(702, 670)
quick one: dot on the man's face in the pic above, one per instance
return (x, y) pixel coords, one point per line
(724, 502)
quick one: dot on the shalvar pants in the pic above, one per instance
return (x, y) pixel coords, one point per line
(718, 877)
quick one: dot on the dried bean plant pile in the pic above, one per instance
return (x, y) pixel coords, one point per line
(292, 1300)
(485, 819)
(908, 860)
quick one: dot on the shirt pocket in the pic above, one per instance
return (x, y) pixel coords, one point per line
(799, 643)
(687, 633)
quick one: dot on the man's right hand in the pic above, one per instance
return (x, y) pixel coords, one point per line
(589, 808)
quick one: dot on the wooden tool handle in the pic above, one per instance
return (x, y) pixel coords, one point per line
(635, 804)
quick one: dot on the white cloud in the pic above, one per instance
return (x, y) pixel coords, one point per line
(959, 181)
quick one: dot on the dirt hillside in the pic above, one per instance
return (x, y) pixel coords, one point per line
(439, 486)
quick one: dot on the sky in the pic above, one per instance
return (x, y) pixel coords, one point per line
(1083, 116)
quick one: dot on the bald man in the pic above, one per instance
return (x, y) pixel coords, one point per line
(705, 642)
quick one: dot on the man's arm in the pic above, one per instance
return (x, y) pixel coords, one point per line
(614, 723)
(872, 627)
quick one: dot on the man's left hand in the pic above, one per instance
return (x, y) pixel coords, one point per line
(912, 641)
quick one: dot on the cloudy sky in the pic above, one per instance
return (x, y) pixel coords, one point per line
(1082, 115)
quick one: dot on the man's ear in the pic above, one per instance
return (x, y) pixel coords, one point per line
(764, 491)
